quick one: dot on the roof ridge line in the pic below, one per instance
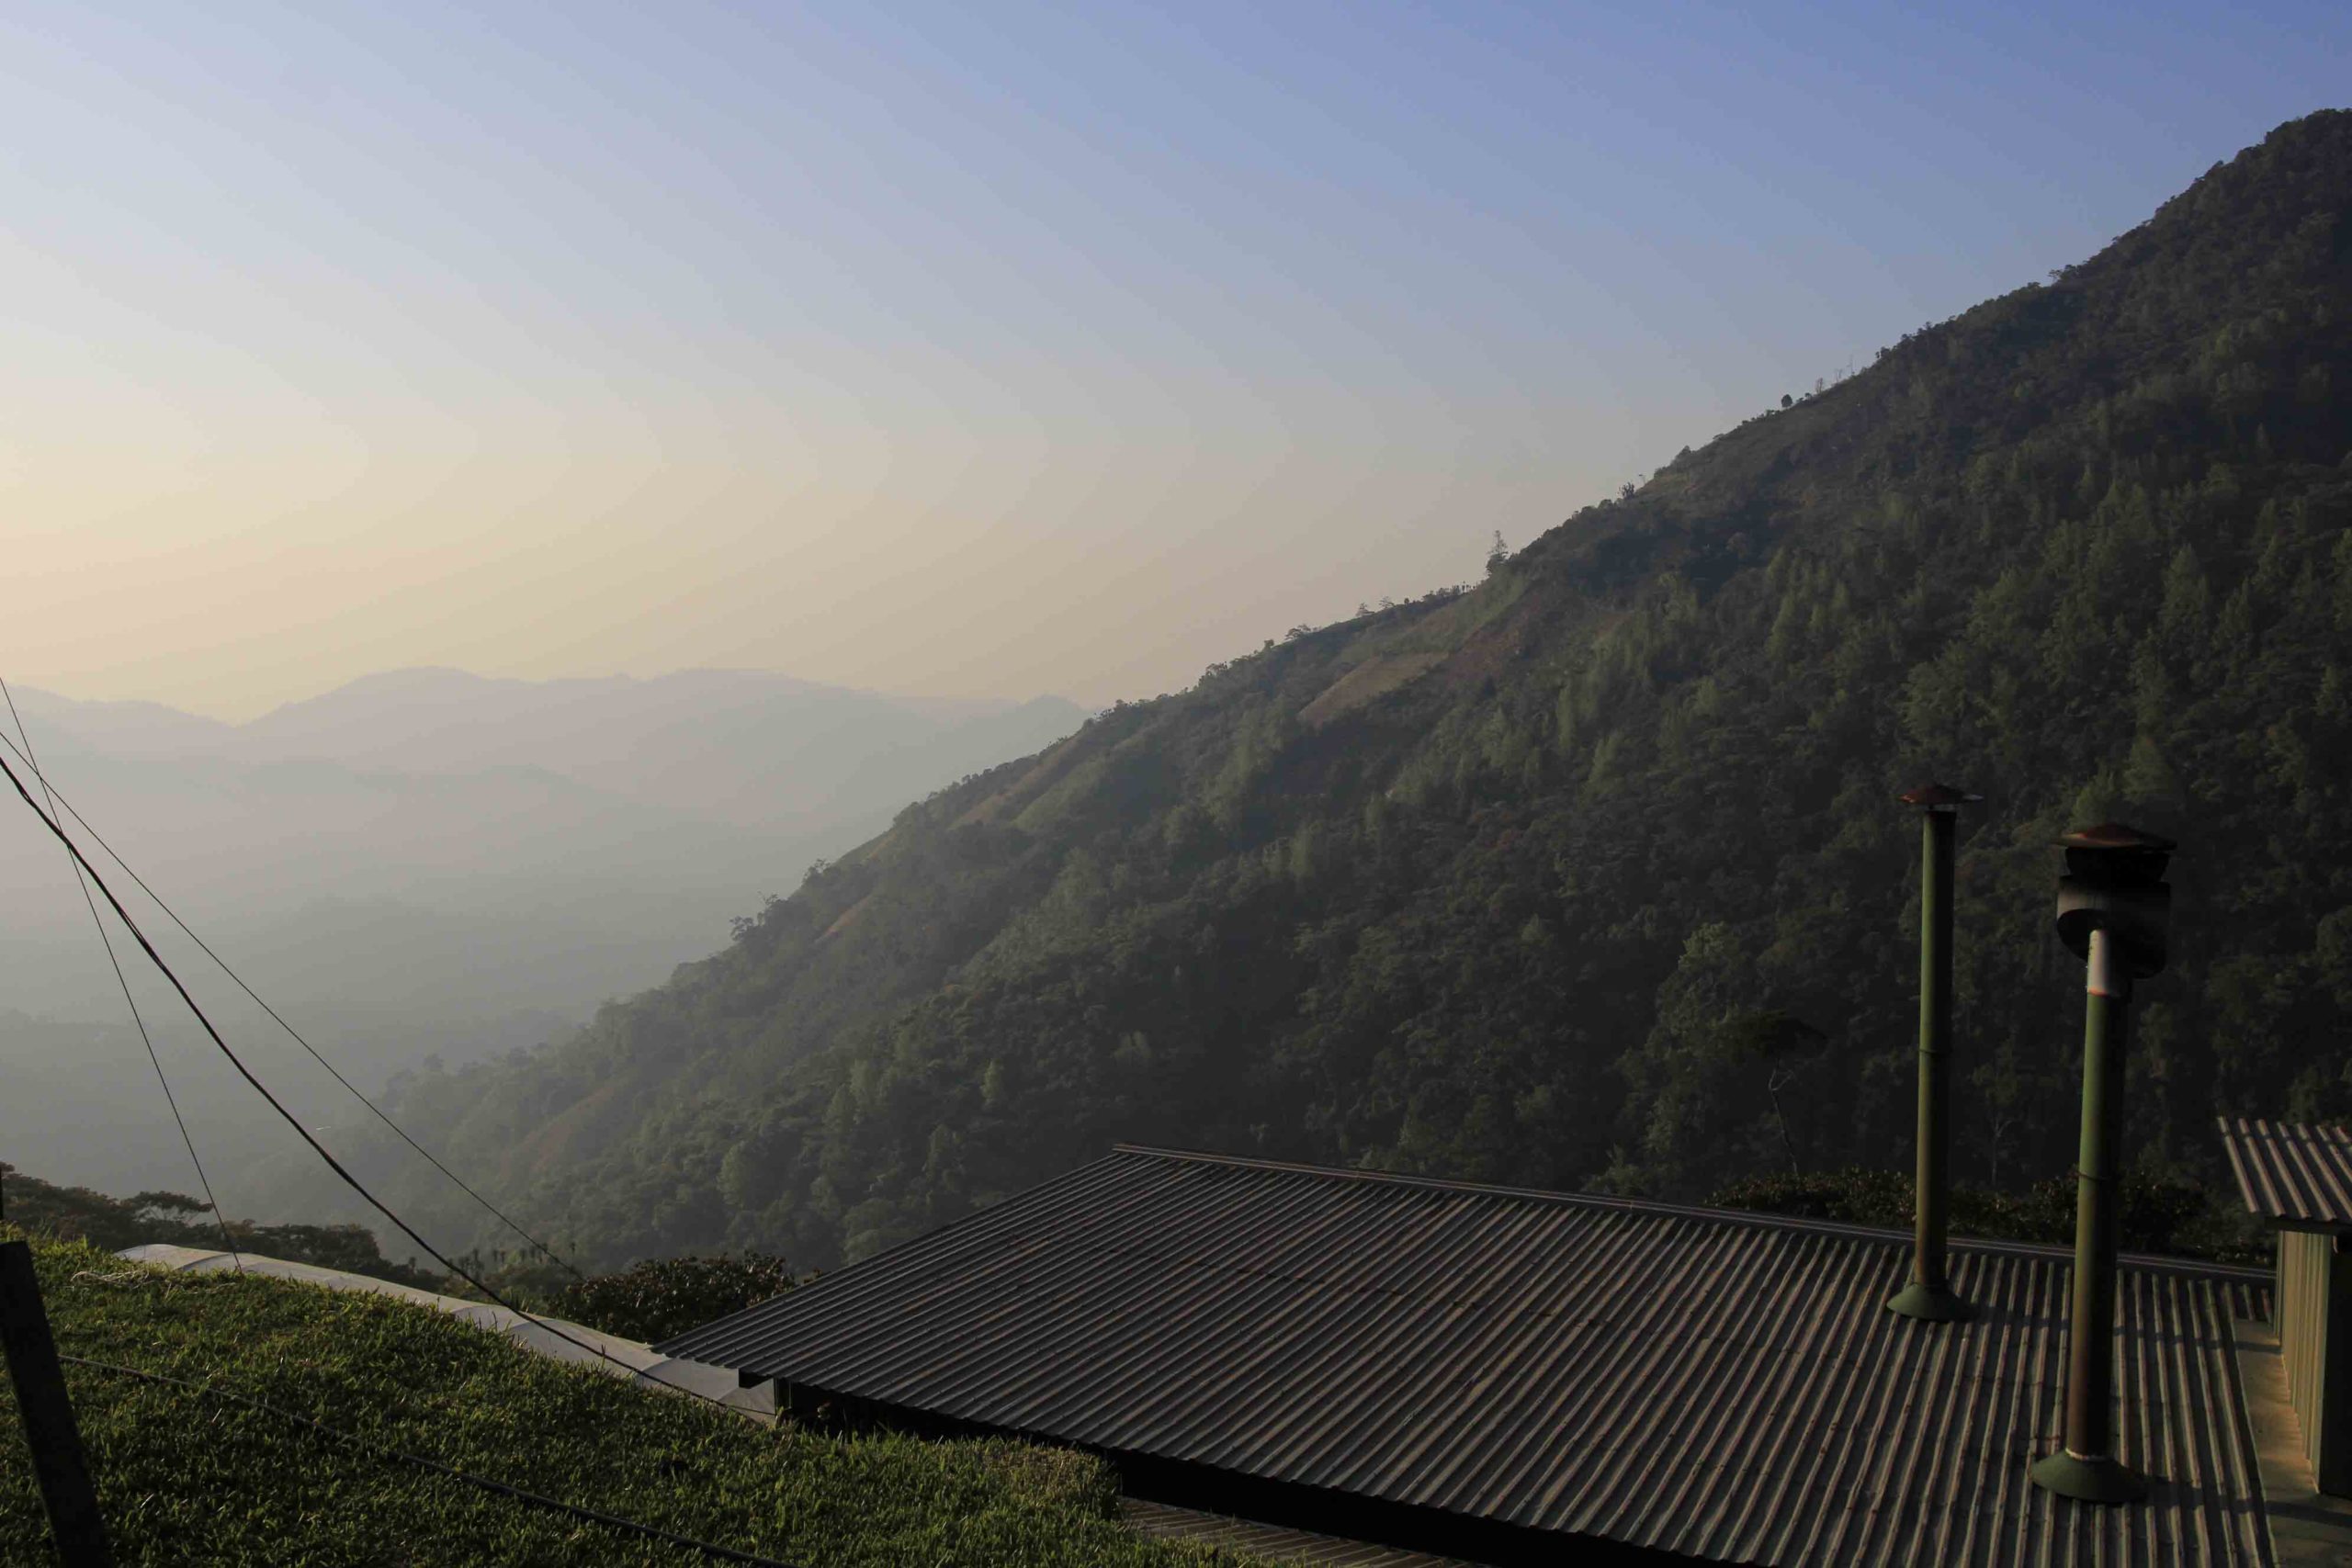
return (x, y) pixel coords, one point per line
(2149, 1262)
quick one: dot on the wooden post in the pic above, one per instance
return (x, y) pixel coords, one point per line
(58, 1466)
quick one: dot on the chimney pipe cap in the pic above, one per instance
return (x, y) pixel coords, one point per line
(2116, 854)
(1938, 796)
(2117, 836)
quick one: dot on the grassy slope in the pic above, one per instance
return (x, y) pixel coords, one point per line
(182, 1479)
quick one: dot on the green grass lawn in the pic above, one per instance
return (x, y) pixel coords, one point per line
(185, 1479)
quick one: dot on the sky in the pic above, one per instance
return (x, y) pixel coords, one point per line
(968, 351)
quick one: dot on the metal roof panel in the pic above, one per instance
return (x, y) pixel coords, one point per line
(2297, 1174)
(1721, 1384)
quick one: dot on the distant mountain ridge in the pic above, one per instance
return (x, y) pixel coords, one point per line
(1513, 884)
(741, 746)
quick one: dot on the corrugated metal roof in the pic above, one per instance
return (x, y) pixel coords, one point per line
(1723, 1385)
(2297, 1173)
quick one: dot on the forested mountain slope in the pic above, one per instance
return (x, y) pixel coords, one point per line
(1594, 871)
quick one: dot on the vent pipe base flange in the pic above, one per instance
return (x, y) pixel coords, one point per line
(1927, 1305)
(2089, 1477)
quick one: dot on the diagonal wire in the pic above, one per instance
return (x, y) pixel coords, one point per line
(56, 799)
(291, 1120)
(121, 979)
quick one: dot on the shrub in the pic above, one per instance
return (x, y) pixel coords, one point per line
(79, 1214)
(663, 1298)
(2158, 1216)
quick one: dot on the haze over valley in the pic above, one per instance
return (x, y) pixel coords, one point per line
(422, 865)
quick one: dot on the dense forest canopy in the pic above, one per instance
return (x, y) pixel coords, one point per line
(1593, 872)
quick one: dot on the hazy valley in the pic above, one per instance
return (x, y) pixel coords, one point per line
(420, 865)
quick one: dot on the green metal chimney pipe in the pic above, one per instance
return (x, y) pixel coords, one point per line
(2113, 910)
(1928, 1297)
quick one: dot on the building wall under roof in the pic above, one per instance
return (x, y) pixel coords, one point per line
(2303, 1265)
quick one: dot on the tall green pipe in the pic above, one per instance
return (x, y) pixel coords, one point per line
(1928, 1297)
(2086, 1468)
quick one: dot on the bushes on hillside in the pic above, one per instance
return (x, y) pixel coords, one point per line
(2165, 1217)
(659, 1300)
(79, 1214)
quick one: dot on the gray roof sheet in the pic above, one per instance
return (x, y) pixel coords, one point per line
(2295, 1173)
(1712, 1383)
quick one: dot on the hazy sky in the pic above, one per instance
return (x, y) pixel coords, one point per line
(967, 349)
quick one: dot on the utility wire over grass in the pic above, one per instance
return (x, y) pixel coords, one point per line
(247, 1472)
(99, 1275)
(1016, 1545)
(398, 1456)
(286, 1116)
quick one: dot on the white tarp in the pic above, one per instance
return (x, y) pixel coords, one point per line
(549, 1337)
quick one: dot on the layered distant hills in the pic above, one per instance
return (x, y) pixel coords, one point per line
(424, 863)
(1593, 872)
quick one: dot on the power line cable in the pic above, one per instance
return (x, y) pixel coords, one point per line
(171, 1099)
(58, 798)
(612, 1521)
(289, 1117)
